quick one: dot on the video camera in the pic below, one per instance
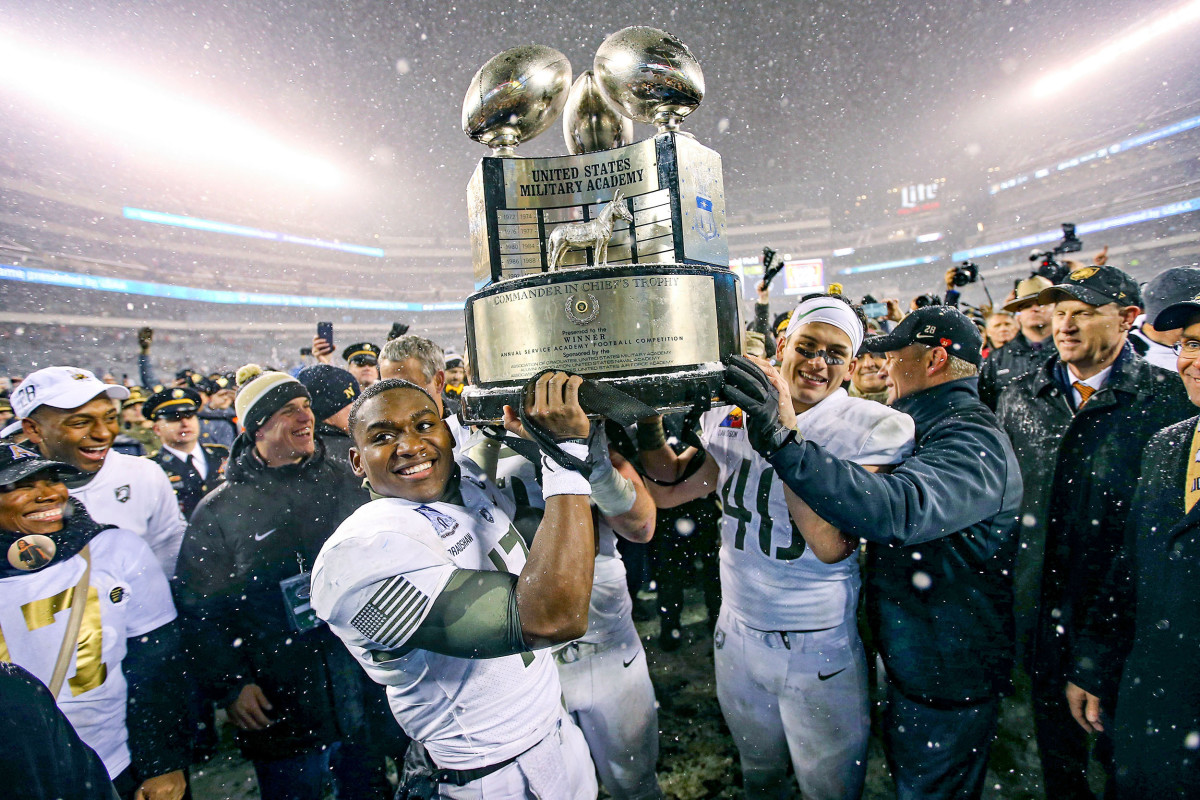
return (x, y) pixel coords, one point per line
(1050, 268)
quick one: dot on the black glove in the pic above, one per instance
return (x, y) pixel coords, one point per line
(747, 387)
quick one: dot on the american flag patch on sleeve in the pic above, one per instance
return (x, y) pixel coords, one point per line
(392, 613)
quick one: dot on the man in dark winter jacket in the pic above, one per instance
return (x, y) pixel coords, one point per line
(1154, 652)
(941, 530)
(1027, 351)
(1078, 425)
(242, 587)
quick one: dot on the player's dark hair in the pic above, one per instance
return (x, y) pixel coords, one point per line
(376, 389)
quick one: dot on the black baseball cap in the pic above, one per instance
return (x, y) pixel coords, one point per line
(1171, 286)
(1177, 315)
(172, 403)
(933, 326)
(17, 462)
(1096, 286)
(361, 353)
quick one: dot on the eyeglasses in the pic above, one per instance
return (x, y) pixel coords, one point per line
(1188, 349)
(826, 356)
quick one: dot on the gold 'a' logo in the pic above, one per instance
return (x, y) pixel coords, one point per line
(1084, 274)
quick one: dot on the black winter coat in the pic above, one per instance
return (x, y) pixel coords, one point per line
(1081, 471)
(1159, 705)
(941, 533)
(1005, 364)
(252, 532)
(337, 443)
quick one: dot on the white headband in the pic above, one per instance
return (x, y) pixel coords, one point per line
(832, 312)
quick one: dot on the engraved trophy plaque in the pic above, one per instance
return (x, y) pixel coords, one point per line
(610, 262)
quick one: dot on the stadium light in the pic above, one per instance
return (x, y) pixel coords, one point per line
(1117, 50)
(158, 116)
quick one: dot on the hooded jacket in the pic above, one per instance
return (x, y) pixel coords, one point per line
(1081, 469)
(262, 526)
(941, 533)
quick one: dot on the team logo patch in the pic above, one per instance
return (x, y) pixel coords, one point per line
(16, 451)
(443, 525)
(118, 594)
(733, 419)
(945, 342)
(122, 493)
(31, 552)
(1083, 274)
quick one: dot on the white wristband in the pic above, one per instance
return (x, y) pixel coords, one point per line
(557, 479)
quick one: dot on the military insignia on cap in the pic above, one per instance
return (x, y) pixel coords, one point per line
(1083, 274)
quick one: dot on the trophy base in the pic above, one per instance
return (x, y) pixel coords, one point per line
(657, 332)
(677, 391)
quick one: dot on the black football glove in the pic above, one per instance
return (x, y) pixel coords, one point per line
(748, 388)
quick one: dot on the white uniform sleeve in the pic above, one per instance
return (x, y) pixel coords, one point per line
(166, 525)
(150, 604)
(374, 591)
(890, 441)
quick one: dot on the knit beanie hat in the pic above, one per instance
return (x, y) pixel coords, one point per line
(260, 394)
(331, 388)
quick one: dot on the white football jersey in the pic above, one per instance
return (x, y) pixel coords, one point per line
(374, 583)
(127, 596)
(769, 578)
(610, 605)
(135, 494)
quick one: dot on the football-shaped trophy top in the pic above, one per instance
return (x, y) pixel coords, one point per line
(650, 75)
(516, 95)
(590, 122)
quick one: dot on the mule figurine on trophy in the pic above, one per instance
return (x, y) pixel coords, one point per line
(594, 233)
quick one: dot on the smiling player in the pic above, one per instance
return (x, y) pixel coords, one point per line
(434, 592)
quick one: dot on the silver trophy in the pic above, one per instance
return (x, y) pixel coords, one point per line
(611, 262)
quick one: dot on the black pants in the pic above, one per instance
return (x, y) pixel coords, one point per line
(682, 535)
(938, 753)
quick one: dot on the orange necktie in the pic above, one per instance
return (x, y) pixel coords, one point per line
(1085, 392)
